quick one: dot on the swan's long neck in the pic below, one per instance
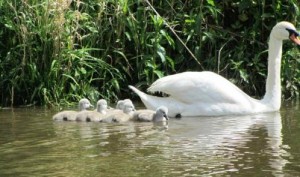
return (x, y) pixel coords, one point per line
(272, 97)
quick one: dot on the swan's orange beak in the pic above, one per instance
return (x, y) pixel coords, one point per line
(295, 39)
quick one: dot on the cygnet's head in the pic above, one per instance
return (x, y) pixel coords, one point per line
(128, 108)
(285, 30)
(84, 104)
(130, 102)
(120, 103)
(161, 114)
(101, 105)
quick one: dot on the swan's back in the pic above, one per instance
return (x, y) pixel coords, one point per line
(210, 88)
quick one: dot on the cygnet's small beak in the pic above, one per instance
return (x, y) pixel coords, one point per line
(294, 38)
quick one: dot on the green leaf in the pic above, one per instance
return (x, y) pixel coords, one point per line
(73, 87)
(9, 26)
(150, 65)
(211, 2)
(76, 73)
(70, 77)
(83, 71)
(161, 52)
(116, 85)
(171, 62)
(168, 37)
(267, 15)
(244, 75)
(158, 73)
(128, 36)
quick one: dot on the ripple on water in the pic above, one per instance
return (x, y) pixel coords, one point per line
(215, 146)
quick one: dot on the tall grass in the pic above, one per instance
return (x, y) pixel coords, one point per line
(57, 51)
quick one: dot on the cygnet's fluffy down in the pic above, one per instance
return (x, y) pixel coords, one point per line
(119, 115)
(71, 115)
(160, 115)
(120, 103)
(93, 116)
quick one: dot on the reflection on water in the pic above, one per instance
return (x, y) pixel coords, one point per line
(31, 144)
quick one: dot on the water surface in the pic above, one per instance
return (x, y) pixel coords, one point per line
(31, 144)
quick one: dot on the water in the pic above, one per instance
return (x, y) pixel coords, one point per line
(31, 144)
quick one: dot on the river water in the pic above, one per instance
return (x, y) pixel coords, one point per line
(31, 144)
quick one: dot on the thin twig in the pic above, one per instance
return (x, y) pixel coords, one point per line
(173, 31)
(219, 53)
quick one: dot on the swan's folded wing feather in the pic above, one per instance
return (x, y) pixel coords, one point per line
(191, 87)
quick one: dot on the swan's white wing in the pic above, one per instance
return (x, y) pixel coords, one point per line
(192, 87)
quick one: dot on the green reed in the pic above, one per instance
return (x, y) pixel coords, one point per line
(55, 51)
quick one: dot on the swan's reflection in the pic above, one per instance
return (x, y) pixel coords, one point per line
(238, 142)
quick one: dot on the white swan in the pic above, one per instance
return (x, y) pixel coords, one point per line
(93, 116)
(209, 94)
(146, 115)
(71, 115)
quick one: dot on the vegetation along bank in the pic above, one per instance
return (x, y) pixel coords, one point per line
(57, 51)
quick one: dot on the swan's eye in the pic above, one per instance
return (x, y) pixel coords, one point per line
(291, 32)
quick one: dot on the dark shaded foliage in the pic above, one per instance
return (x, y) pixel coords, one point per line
(58, 51)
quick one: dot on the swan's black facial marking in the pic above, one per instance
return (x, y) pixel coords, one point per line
(88, 119)
(65, 119)
(293, 35)
(292, 32)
